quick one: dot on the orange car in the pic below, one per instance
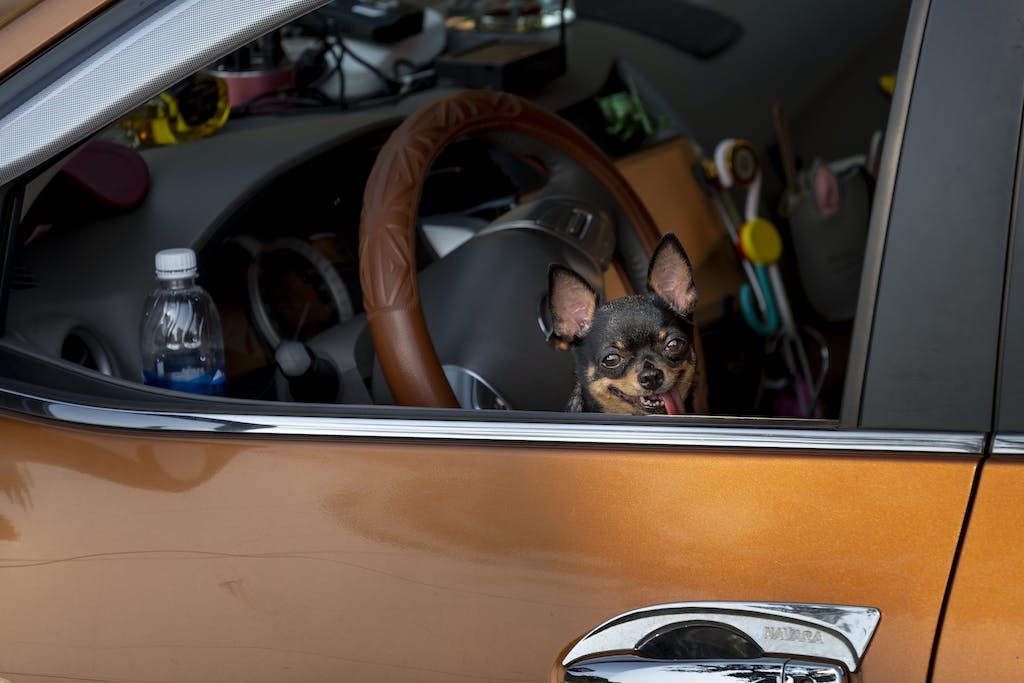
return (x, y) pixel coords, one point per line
(843, 503)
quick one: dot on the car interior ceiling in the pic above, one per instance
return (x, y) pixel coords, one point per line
(271, 201)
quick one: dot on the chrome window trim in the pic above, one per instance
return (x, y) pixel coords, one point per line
(146, 60)
(878, 226)
(526, 431)
(1008, 444)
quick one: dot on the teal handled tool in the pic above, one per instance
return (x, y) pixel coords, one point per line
(760, 244)
(736, 165)
(763, 299)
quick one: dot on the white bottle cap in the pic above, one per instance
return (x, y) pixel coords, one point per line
(175, 264)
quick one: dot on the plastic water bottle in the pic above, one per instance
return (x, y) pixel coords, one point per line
(182, 342)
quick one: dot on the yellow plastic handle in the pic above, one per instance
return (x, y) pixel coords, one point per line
(760, 242)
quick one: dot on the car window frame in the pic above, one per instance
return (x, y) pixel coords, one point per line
(1009, 419)
(907, 311)
(238, 417)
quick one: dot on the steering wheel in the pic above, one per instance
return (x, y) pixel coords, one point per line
(387, 261)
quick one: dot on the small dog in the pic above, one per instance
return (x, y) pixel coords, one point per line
(634, 354)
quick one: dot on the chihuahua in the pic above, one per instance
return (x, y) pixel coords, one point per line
(634, 354)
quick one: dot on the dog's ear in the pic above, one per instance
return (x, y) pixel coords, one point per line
(572, 302)
(671, 278)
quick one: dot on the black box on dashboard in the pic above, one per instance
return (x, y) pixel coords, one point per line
(510, 65)
(374, 22)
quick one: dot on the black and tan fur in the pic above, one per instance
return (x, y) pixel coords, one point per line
(635, 354)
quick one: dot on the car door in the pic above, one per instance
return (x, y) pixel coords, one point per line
(981, 630)
(160, 539)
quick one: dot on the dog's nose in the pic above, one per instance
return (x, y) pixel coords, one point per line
(650, 378)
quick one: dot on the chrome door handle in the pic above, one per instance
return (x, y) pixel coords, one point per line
(631, 669)
(725, 641)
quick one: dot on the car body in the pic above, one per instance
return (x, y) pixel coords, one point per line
(150, 535)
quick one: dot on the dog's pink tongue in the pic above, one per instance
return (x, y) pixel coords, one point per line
(673, 402)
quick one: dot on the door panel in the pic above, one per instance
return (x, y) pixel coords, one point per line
(983, 632)
(126, 556)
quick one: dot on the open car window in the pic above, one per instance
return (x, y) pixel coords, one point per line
(267, 187)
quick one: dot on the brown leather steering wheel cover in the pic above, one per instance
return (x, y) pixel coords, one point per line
(387, 235)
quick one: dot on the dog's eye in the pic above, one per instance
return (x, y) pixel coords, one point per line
(612, 360)
(675, 346)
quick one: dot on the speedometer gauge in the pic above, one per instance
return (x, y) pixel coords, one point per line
(295, 292)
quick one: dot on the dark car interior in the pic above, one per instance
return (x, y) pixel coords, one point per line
(271, 198)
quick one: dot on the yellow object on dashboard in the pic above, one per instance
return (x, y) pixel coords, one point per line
(192, 109)
(887, 83)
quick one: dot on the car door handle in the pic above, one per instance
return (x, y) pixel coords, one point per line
(690, 642)
(631, 669)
